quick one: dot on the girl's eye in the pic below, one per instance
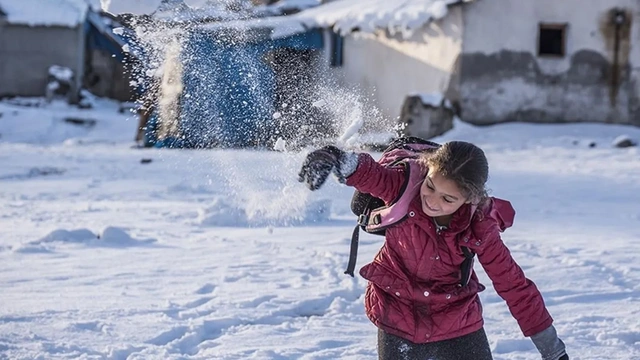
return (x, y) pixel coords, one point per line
(448, 201)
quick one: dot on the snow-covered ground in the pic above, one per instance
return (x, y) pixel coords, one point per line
(222, 254)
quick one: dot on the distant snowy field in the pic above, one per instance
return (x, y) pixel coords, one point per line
(221, 254)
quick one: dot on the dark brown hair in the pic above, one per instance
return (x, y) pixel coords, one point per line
(463, 163)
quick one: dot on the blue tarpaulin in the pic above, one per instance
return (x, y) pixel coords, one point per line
(229, 87)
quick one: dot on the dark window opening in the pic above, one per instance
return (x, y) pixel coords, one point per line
(337, 47)
(552, 39)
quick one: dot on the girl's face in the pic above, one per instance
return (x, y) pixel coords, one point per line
(440, 196)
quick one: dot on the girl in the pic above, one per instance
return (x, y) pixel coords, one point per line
(413, 294)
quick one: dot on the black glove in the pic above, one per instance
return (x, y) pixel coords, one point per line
(320, 163)
(564, 357)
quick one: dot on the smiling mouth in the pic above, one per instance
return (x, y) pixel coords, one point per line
(428, 207)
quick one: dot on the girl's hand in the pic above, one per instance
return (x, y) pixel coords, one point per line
(320, 163)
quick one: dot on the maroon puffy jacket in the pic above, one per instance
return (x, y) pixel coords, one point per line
(413, 287)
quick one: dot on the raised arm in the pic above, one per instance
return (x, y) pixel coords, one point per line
(372, 178)
(358, 170)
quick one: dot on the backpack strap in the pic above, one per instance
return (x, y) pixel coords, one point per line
(413, 143)
(355, 239)
(466, 268)
(378, 220)
(353, 251)
(397, 211)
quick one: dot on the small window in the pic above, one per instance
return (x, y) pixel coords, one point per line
(552, 39)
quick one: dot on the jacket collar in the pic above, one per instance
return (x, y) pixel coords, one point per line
(460, 220)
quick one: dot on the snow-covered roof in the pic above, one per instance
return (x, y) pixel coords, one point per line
(345, 16)
(67, 13)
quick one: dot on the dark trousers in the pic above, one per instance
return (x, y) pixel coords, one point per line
(474, 346)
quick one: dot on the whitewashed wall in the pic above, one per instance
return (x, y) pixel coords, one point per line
(503, 79)
(384, 68)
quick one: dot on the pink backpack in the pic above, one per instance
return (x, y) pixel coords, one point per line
(374, 216)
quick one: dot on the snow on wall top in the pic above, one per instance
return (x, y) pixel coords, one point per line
(66, 13)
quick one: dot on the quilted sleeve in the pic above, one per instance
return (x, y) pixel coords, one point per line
(375, 179)
(521, 295)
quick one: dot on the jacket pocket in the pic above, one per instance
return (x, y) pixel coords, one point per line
(390, 281)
